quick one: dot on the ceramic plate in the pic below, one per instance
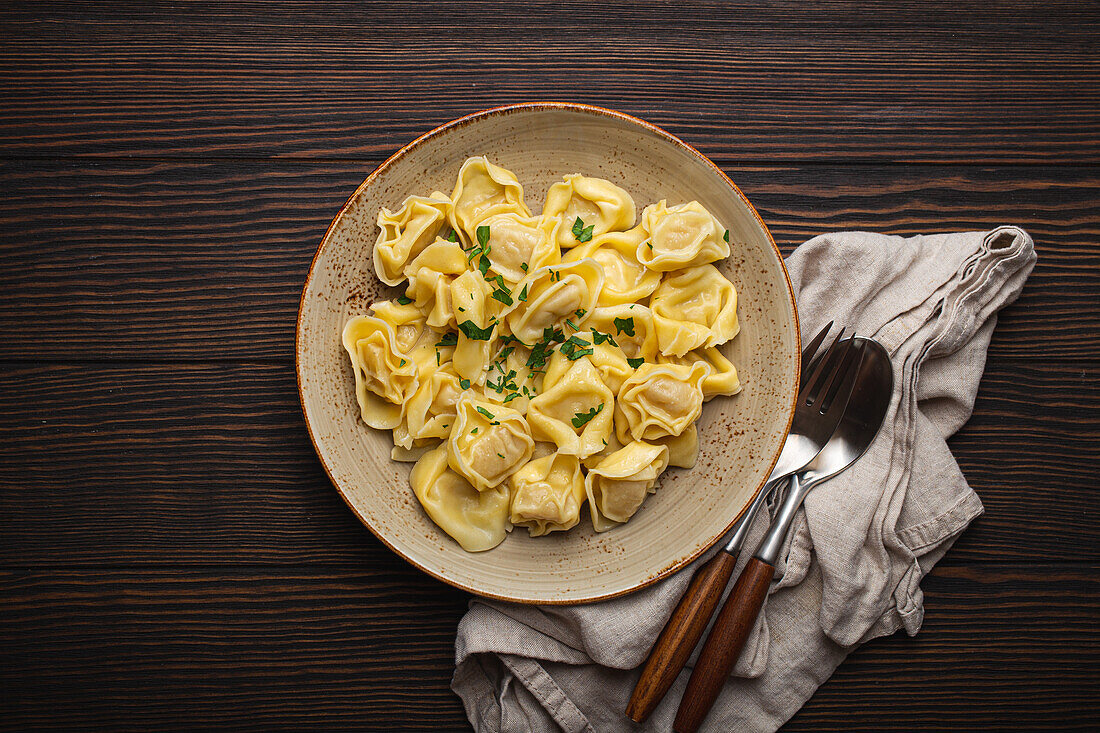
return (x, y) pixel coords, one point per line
(740, 436)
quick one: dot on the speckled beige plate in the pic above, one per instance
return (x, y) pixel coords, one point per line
(740, 436)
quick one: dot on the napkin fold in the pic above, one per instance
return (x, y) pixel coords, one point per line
(860, 545)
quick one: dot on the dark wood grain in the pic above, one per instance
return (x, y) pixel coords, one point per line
(370, 648)
(138, 463)
(847, 81)
(172, 555)
(99, 257)
(681, 634)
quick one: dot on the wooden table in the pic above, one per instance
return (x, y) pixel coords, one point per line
(172, 554)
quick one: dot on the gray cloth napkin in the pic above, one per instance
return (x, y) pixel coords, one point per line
(854, 559)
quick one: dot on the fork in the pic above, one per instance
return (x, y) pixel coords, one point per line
(810, 429)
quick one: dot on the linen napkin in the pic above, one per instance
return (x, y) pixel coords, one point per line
(860, 545)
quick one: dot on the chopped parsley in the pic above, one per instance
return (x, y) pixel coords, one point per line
(511, 397)
(503, 296)
(635, 363)
(600, 338)
(726, 236)
(581, 419)
(403, 362)
(453, 236)
(472, 332)
(464, 383)
(404, 300)
(449, 339)
(579, 313)
(474, 431)
(482, 410)
(571, 325)
(483, 236)
(483, 265)
(581, 232)
(624, 325)
(523, 293)
(523, 266)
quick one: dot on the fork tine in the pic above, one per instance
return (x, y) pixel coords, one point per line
(807, 390)
(812, 347)
(844, 389)
(836, 374)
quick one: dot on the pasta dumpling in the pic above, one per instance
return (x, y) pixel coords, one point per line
(430, 276)
(475, 312)
(575, 410)
(406, 232)
(430, 412)
(723, 375)
(488, 442)
(547, 494)
(600, 205)
(619, 484)
(683, 449)
(551, 294)
(681, 236)
(632, 328)
(660, 400)
(477, 520)
(519, 244)
(693, 308)
(626, 280)
(384, 379)
(484, 189)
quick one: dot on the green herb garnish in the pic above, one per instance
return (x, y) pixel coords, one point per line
(523, 266)
(482, 410)
(404, 300)
(503, 296)
(581, 419)
(453, 236)
(523, 293)
(635, 363)
(464, 383)
(600, 338)
(472, 332)
(449, 339)
(474, 431)
(726, 236)
(483, 236)
(624, 325)
(581, 232)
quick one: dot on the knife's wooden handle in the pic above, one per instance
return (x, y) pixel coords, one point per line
(723, 647)
(673, 647)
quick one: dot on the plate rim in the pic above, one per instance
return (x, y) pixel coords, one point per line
(463, 121)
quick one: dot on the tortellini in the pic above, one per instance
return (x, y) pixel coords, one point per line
(520, 244)
(553, 294)
(576, 411)
(477, 520)
(484, 189)
(406, 232)
(618, 485)
(588, 207)
(547, 494)
(660, 400)
(681, 236)
(626, 280)
(693, 308)
(488, 442)
(384, 379)
(530, 364)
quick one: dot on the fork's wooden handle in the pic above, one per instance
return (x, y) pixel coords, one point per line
(673, 647)
(723, 647)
